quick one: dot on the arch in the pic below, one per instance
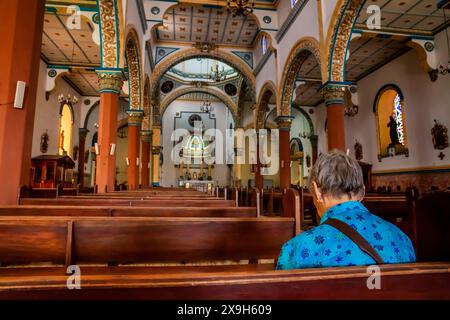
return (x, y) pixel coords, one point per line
(69, 105)
(88, 114)
(146, 122)
(307, 117)
(389, 111)
(296, 142)
(191, 53)
(339, 36)
(298, 54)
(214, 92)
(133, 61)
(66, 122)
(266, 93)
(110, 13)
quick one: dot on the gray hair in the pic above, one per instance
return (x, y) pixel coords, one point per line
(337, 175)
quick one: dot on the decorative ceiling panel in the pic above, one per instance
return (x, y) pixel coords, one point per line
(190, 23)
(63, 46)
(413, 15)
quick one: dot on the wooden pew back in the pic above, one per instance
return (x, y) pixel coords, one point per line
(130, 203)
(82, 211)
(140, 240)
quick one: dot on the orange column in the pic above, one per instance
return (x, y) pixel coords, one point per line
(146, 148)
(334, 99)
(284, 125)
(134, 132)
(110, 84)
(21, 36)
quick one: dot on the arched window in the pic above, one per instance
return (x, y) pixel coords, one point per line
(65, 131)
(293, 2)
(264, 44)
(390, 114)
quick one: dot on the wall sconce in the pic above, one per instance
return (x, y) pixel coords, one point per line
(97, 149)
(128, 161)
(112, 150)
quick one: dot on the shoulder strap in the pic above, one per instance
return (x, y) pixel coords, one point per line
(356, 237)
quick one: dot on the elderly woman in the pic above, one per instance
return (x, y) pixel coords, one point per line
(348, 233)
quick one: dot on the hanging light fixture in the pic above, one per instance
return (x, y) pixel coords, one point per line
(216, 74)
(206, 106)
(240, 7)
(445, 69)
(67, 99)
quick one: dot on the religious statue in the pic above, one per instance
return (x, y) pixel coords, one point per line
(194, 176)
(44, 142)
(61, 140)
(393, 133)
(440, 136)
(358, 150)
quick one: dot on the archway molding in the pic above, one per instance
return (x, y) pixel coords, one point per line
(297, 56)
(267, 92)
(133, 62)
(207, 90)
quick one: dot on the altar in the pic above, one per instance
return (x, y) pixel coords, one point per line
(200, 185)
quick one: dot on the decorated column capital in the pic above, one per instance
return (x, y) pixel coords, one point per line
(135, 117)
(284, 122)
(110, 80)
(82, 133)
(146, 135)
(334, 92)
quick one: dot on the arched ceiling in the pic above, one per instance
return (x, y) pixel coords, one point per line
(199, 69)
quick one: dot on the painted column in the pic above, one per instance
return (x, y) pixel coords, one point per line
(146, 136)
(110, 83)
(82, 133)
(334, 99)
(284, 125)
(134, 132)
(156, 149)
(21, 38)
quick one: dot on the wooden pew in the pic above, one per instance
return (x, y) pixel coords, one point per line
(398, 282)
(83, 211)
(130, 203)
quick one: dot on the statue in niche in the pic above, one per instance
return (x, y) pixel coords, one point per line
(358, 150)
(61, 141)
(194, 176)
(440, 136)
(44, 142)
(393, 133)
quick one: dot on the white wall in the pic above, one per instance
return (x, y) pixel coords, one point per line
(47, 115)
(170, 174)
(424, 102)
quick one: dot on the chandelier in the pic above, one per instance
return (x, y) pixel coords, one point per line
(444, 70)
(216, 74)
(240, 7)
(67, 100)
(206, 106)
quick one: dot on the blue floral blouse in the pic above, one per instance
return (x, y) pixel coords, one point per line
(325, 246)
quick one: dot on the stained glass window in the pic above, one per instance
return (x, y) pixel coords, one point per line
(264, 44)
(399, 119)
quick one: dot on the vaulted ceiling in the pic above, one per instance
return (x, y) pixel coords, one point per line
(190, 23)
